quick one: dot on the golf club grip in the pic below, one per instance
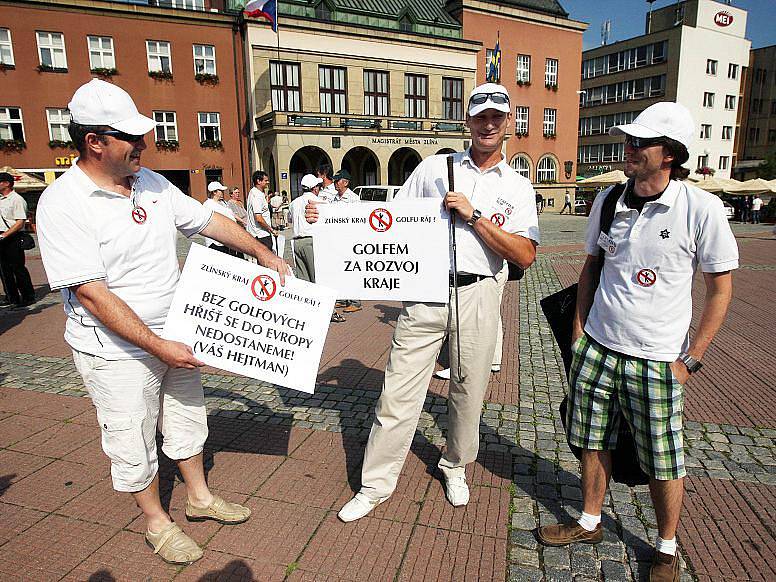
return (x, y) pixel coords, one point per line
(450, 175)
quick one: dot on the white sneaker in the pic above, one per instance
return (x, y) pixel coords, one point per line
(442, 374)
(457, 491)
(358, 507)
(495, 368)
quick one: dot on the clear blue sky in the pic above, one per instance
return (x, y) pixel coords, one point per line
(627, 18)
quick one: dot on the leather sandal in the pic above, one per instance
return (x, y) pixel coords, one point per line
(173, 546)
(218, 510)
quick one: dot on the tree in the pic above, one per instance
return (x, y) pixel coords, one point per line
(767, 170)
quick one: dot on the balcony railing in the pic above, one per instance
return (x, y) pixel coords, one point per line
(358, 123)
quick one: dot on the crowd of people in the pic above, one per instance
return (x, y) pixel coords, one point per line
(632, 354)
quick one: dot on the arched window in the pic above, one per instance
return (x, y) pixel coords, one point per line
(547, 170)
(522, 165)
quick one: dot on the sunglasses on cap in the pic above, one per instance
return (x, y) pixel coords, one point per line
(498, 98)
(128, 137)
(644, 142)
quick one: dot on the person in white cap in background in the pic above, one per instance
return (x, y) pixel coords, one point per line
(215, 202)
(630, 338)
(486, 185)
(107, 233)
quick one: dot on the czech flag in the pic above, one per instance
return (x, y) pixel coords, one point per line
(263, 9)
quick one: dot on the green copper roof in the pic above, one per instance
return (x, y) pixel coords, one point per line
(425, 17)
(546, 6)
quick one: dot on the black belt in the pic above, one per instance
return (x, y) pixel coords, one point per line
(465, 279)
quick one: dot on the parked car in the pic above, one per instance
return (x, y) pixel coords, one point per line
(581, 207)
(376, 193)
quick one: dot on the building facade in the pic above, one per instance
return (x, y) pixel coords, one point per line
(693, 52)
(183, 67)
(541, 50)
(372, 92)
(757, 137)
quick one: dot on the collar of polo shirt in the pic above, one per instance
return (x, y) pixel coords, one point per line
(501, 166)
(667, 199)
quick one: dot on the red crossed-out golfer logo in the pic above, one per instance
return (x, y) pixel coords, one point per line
(498, 219)
(263, 287)
(380, 219)
(646, 277)
(139, 214)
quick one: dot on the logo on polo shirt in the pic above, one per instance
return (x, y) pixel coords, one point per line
(665, 233)
(508, 207)
(139, 214)
(646, 277)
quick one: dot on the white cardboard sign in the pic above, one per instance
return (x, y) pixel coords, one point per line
(395, 251)
(236, 316)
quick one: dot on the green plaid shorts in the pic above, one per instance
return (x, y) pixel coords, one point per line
(602, 382)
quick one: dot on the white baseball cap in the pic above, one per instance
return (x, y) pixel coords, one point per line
(485, 93)
(213, 186)
(309, 181)
(101, 103)
(664, 119)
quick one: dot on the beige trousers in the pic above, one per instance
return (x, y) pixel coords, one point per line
(420, 333)
(501, 281)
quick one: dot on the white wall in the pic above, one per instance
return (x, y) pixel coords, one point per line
(698, 45)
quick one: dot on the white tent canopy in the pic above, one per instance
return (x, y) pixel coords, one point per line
(24, 182)
(607, 179)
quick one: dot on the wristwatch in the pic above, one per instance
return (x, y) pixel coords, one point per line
(476, 215)
(692, 364)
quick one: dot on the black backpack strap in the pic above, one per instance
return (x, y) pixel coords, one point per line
(607, 214)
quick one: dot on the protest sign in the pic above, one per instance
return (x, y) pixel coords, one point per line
(396, 251)
(236, 316)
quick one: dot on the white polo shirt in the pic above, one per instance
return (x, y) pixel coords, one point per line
(499, 193)
(221, 208)
(12, 208)
(643, 304)
(347, 196)
(257, 204)
(88, 234)
(328, 194)
(296, 217)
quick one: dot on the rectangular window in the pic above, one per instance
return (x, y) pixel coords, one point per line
(757, 105)
(730, 102)
(186, 4)
(51, 50)
(209, 126)
(549, 121)
(167, 125)
(101, 52)
(772, 136)
(708, 99)
(11, 124)
(551, 72)
(6, 47)
(754, 134)
(332, 89)
(204, 59)
(773, 107)
(523, 69)
(521, 120)
(58, 120)
(732, 71)
(705, 131)
(703, 161)
(727, 132)
(760, 75)
(723, 162)
(415, 95)
(376, 101)
(711, 67)
(452, 98)
(158, 53)
(284, 81)
(659, 52)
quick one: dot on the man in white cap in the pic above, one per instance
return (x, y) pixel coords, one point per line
(303, 240)
(496, 220)
(632, 353)
(107, 238)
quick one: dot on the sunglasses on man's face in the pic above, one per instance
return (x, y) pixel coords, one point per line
(128, 137)
(643, 142)
(498, 98)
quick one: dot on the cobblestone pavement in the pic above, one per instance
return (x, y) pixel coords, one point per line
(294, 460)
